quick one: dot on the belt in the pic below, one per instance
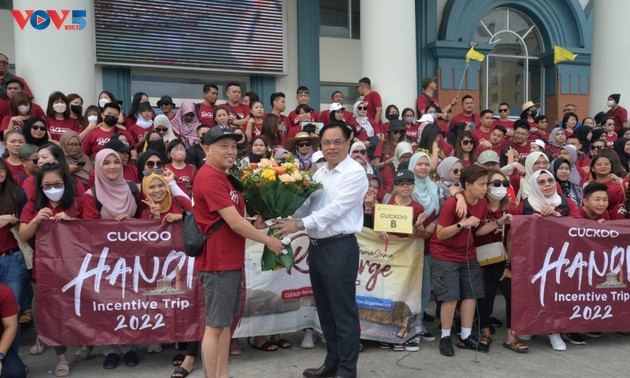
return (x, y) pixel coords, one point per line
(324, 241)
(8, 253)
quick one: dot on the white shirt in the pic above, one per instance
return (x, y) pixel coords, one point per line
(338, 208)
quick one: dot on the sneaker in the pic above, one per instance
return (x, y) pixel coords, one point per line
(446, 347)
(308, 341)
(495, 322)
(593, 334)
(471, 343)
(525, 337)
(556, 342)
(426, 336)
(383, 345)
(576, 339)
(154, 348)
(413, 345)
(398, 347)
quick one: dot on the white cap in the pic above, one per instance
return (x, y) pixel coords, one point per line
(317, 155)
(426, 118)
(540, 143)
(335, 106)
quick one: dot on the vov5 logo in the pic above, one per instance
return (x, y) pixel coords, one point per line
(41, 19)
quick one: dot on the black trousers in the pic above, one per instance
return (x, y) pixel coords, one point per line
(492, 275)
(333, 272)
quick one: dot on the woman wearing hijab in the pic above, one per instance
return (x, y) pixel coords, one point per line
(622, 148)
(303, 146)
(584, 134)
(151, 162)
(557, 139)
(259, 150)
(35, 132)
(364, 128)
(159, 203)
(78, 163)
(402, 154)
(535, 161)
(561, 168)
(185, 123)
(162, 125)
(578, 176)
(448, 172)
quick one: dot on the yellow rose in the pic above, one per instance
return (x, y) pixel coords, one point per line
(269, 174)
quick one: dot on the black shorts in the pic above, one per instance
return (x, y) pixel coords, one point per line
(455, 281)
(222, 292)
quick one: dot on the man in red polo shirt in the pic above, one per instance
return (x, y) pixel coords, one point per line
(426, 98)
(372, 99)
(467, 115)
(520, 141)
(279, 105)
(503, 120)
(482, 133)
(616, 112)
(205, 111)
(239, 113)
(336, 104)
(303, 97)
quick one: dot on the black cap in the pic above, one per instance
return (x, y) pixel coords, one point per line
(144, 106)
(165, 100)
(396, 125)
(117, 145)
(404, 175)
(220, 132)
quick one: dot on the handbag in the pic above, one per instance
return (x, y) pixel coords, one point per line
(491, 253)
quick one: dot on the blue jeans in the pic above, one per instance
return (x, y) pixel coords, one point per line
(13, 273)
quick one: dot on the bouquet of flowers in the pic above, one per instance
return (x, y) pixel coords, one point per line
(274, 190)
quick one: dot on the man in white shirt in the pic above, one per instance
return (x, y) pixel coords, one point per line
(332, 217)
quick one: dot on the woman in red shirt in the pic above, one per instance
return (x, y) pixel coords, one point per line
(58, 118)
(466, 149)
(159, 202)
(602, 169)
(14, 140)
(184, 173)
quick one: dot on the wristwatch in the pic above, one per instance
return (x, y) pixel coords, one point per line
(459, 225)
(300, 224)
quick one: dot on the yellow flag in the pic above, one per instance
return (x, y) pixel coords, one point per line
(474, 55)
(561, 54)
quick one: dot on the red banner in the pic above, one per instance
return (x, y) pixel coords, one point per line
(570, 275)
(107, 282)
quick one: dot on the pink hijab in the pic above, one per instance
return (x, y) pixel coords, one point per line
(115, 196)
(187, 130)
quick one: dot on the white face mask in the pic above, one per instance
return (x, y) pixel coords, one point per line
(610, 103)
(102, 102)
(497, 194)
(23, 109)
(59, 108)
(54, 194)
(92, 118)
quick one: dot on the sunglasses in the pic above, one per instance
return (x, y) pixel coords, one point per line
(467, 142)
(154, 164)
(164, 104)
(147, 172)
(305, 144)
(498, 183)
(161, 130)
(503, 110)
(362, 107)
(550, 180)
(40, 128)
(362, 152)
(596, 147)
(457, 171)
(396, 132)
(404, 183)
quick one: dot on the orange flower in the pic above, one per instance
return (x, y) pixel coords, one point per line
(306, 182)
(280, 170)
(274, 163)
(254, 165)
(245, 175)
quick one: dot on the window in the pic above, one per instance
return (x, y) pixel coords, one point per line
(512, 71)
(340, 19)
(349, 91)
(6, 4)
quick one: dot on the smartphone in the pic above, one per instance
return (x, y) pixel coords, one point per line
(81, 163)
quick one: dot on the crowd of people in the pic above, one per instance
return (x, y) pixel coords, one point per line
(465, 175)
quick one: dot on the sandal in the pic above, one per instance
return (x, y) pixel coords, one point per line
(266, 347)
(235, 348)
(178, 359)
(180, 372)
(62, 369)
(485, 340)
(516, 346)
(282, 343)
(38, 348)
(82, 354)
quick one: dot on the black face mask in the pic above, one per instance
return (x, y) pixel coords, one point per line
(76, 109)
(392, 116)
(110, 120)
(534, 113)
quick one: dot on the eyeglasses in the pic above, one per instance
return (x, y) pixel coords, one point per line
(542, 182)
(362, 152)
(305, 144)
(57, 185)
(152, 164)
(596, 147)
(161, 129)
(37, 127)
(362, 107)
(4, 63)
(336, 142)
(467, 142)
(179, 148)
(73, 145)
(147, 172)
(498, 183)
(602, 165)
(404, 183)
(504, 110)
(456, 171)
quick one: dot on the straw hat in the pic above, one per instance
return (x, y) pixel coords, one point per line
(528, 105)
(290, 144)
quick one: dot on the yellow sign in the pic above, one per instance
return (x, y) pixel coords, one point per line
(392, 218)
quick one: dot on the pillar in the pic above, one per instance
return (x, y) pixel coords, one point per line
(610, 49)
(56, 59)
(388, 50)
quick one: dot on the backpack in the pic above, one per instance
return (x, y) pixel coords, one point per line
(564, 207)
(194, 239)
(134, 192)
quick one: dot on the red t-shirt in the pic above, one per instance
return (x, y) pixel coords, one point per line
(184, 176)
(373, 101)
(611, 139)
(619, 115)
(206, 114)
(581, 213)
(94, 141)
(536, 134)
(481, 135)
(295, 121)
(224, 249)
(36, 111)
(7, 240)
(509, 125)
(523, 151)
(461, 247)
(57, 127)
(130, 172)
(495, 236)
(422, 102)
(137, 132)
(8, 305)
(411, 133)
(15, 170)
(616, 195)
(240, 109)
(31, 192)
(461, 117)
(184, 204)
